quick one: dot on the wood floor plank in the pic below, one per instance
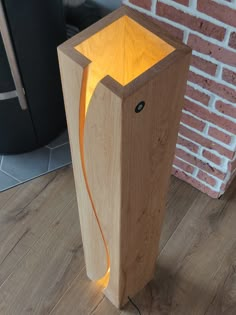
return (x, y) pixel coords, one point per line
(177, 206)
(25, 192)
(69, 302)
(224, 301)
(29, 214)
(106, 308)
(83, 297)
(46, 271)
(7, 194)
(194, 261)
(42, 263)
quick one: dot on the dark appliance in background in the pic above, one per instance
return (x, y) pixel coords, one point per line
(80, 14)
(36, 28)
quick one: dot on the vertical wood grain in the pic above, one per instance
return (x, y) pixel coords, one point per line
(103, 166)
(148, 146)
(72, 76)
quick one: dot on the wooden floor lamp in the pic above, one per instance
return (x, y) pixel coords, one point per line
(123, 80)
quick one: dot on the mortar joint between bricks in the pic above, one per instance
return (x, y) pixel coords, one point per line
(212, 102)
(153, 6)
(199, 180)
(207, 76)
(193, 4)
(186, 35)
(198, 14)
(195, 172)
(219, 71)
(206, 128)
(203, 90)
(233, 142)
(193, 100)
(227, 36)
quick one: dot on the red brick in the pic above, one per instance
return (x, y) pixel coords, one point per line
(192, 122)
(226, 109)
(146, 4)
(210, 85)
(206, 114)
(197, 162)
(229, 76)
(232, 166)
(218, 11)
(184, 2)
(188, 144)
(207, 143)
(232, 40)
(176, 32)
(219, 135)
(195, 183)
(197, 95)
(196, 24)
(203, 65)
(219, 53)
(206, 178)
(211, 157)
(183, 165)
(224, 185)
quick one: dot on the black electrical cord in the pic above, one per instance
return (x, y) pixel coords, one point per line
(134, 305)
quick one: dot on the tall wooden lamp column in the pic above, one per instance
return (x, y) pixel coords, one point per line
(123, 81)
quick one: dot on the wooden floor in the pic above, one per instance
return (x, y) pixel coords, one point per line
(42, 265)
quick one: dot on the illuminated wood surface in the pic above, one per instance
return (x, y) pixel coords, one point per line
(122, 159)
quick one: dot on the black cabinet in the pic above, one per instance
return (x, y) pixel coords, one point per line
(36, 28)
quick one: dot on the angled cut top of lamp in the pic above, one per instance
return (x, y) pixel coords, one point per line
(123, 81)
(124, 50)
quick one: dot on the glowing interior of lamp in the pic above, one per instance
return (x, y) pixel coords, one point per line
(123, 50)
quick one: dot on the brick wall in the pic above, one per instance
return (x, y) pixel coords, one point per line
(205, 152)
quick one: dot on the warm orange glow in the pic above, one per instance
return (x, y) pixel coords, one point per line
(123, 50)
(103, 282)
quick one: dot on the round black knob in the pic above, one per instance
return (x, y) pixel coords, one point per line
(139, 107)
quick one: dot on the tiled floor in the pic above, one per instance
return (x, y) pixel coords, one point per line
(17, 169)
